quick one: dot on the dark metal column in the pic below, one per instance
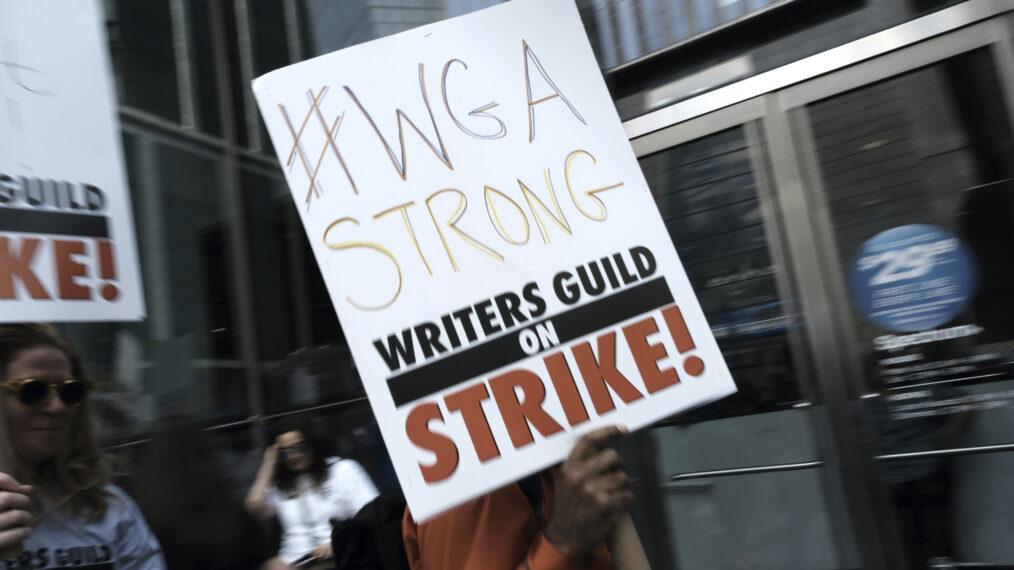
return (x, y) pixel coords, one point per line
(243, 300)
(848, 458)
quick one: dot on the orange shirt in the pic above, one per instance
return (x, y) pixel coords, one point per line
(497, 531)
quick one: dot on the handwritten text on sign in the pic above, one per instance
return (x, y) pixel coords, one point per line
(487, 238)
(511, 215)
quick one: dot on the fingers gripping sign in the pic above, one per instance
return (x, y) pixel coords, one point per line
(15, 515)
(591, 494)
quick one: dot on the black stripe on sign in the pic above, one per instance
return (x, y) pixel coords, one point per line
(58, 223)
(501, 351)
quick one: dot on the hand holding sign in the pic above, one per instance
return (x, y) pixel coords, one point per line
(592, 492)
(15, 518)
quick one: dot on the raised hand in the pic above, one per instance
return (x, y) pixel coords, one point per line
(591, 493)
(15, 507)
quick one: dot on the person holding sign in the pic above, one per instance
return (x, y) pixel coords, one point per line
(306, 489)
(582, 501)
(57, 506)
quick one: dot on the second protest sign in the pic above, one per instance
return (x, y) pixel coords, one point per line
(494, 254)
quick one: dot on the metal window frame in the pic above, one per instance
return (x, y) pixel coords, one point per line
(835, 334)
(852, 53)
(297, 251)
(148, 209)
(244, 298)
(890, 64)
(1003, 55)
(774, 99)
(777, 239)
(244, 36)
(607, 41)
(849, 465)
(791, 103)
(749, 115)
(999, 448)
(183, 50)
(752, 115)
(149, 131)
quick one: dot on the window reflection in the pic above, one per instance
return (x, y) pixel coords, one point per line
(929, 149)
(624, 30)
(204, 84)
(185, 356)
(274, 229)
(707, 194)
(141, 42)
(329, 26)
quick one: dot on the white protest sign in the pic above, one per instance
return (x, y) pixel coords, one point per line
(500, 269)
(67, 249)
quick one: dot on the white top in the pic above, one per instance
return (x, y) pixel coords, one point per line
(306, 516)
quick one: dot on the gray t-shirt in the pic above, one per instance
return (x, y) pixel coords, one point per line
(120, 541)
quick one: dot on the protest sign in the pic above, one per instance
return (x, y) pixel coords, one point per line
(496, 259)
(67, 249)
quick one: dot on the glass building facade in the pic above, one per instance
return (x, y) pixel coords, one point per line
(778, 137)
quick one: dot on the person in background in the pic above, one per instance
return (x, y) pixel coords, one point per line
(57, 505)
(181, 489)
(581, 503)
(306, 489)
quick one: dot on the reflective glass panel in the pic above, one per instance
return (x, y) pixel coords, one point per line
(916, 171)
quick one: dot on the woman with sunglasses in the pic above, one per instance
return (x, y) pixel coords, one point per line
(306, 489)
(56, 500)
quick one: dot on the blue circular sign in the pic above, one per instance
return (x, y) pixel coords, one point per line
(913, 278)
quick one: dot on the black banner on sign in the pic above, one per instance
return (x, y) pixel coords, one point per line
(503, 350)
(26, 221)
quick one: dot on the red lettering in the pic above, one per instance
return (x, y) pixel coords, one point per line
(517, 414)
(468, 402)
(418, 430)
(646, 355)
(566, 389)
(67, 269)
(107, 269)
(598, 373)
(693, 365)
(20, 264)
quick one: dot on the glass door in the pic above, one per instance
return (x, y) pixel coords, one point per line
(743, 482)
(903, 168)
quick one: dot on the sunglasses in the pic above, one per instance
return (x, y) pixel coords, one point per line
(32, 391)
(299, 448)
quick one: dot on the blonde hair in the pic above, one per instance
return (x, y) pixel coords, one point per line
(77, 476)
